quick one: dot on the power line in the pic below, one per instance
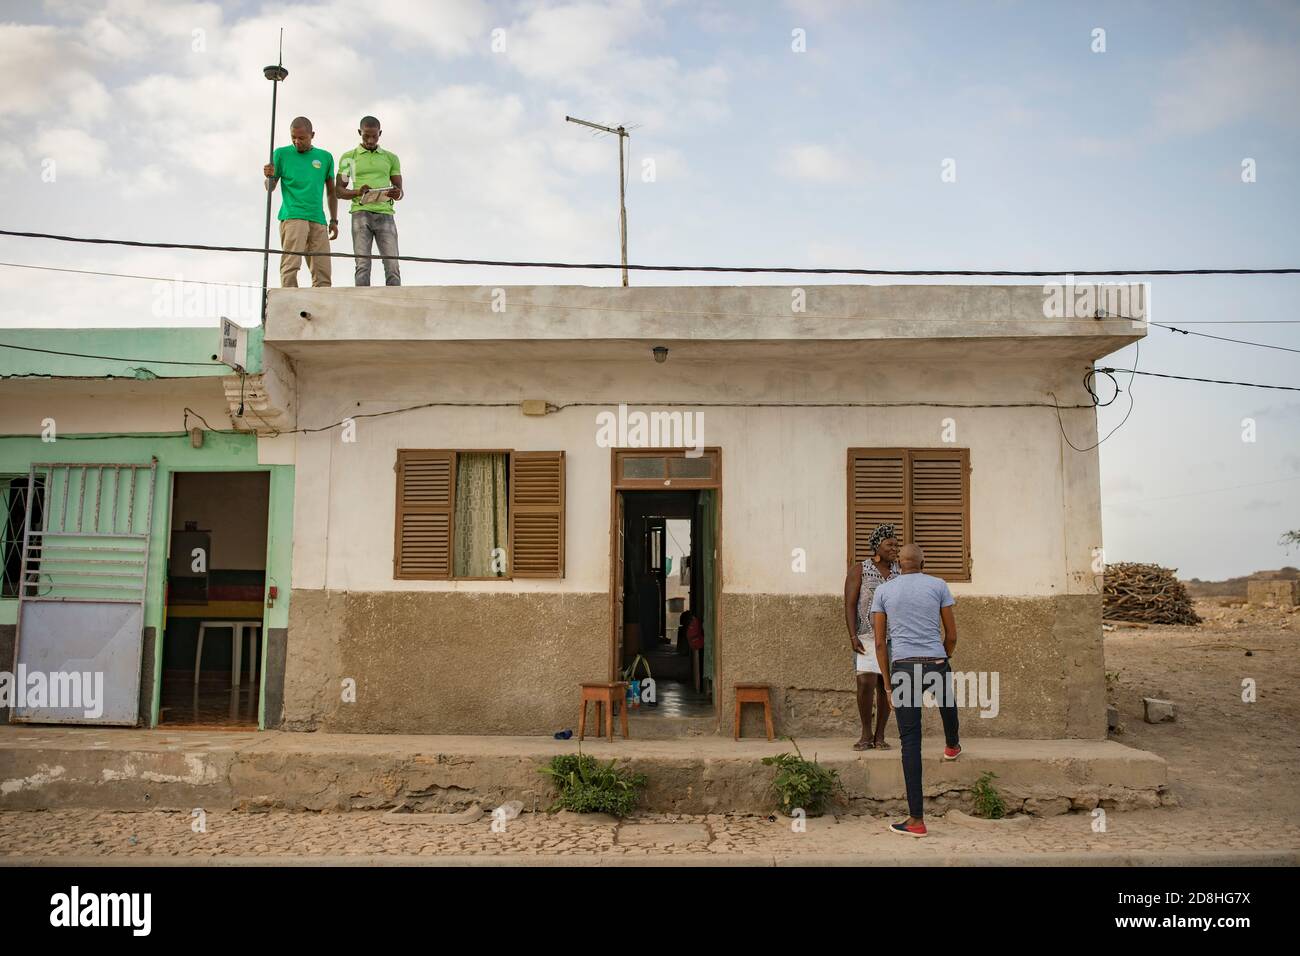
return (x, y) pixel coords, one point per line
(553, 407)
(1211, 381)
(556, 408)
(1207, 491)
(105, 358)
(124, 275)
(406, 300)
(1220, 338)
(539, 305)
(746, 315)
(797, 270)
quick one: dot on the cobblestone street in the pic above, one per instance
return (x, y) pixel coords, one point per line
(156, 835)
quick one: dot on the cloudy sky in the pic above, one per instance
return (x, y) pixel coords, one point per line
(148, 119)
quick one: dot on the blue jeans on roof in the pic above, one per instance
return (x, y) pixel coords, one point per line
(382, 227)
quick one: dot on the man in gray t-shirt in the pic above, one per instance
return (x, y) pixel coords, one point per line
(913, 604)
(917, 611)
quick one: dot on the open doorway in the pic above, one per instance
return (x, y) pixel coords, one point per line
(216, 576)
(664, 583)
(664, 587)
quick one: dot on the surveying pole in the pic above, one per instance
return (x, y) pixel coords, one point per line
(276, 74)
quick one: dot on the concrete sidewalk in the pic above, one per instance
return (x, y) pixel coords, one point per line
(106, 768)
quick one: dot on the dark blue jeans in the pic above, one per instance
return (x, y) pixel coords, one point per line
(382, 228)
(910, 678)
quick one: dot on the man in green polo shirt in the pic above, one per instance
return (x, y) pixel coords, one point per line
(306, 172)
(369, 168)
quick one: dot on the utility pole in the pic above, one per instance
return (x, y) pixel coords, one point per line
(621, 133)
(276, 74)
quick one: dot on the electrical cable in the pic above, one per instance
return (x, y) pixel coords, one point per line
(124, 275)
(1088, 378)
(561, 407)
(1087, 385)
(117, 436)
(406, 300)
(1207, 491)
(1211, 381)
(1220, 338)
(797, 270)
(106, 358)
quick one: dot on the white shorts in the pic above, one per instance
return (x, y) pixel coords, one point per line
(866, 663)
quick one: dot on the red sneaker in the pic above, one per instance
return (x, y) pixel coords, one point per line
(952, 753)
(915, 830)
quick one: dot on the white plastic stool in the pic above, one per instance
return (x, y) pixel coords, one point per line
(237, 631)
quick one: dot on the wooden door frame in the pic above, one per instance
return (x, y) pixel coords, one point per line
(616, 486)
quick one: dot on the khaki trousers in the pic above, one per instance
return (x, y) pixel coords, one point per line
(302, 235)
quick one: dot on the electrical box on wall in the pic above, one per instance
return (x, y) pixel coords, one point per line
(234, 344)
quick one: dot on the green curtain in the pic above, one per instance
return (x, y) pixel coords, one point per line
(481, 498)
(708, 600)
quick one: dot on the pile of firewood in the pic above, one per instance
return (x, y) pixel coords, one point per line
(1147, 593)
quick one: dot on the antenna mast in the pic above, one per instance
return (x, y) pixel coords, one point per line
(621, 133)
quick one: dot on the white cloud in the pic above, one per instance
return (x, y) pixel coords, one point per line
(45, 74)
(74, 151)
(818, 9)
(1235, 78)
(812, 162)
(591, 50)
(567, 44)
(448, 28)
(11, 158)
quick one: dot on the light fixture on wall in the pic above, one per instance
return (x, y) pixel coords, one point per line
(660, 353)
(196, 437)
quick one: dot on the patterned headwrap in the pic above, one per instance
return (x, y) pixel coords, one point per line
(880, 534)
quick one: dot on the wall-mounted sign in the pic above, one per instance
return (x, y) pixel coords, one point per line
(234, 344)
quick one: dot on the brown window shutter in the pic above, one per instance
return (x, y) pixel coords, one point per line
(940, 507)
(425, 483)
(877, 494)
(537, 514)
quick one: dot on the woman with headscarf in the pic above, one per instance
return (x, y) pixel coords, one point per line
(859, 588)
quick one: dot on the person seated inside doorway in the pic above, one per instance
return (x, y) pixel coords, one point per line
(683, 629)
(694, 629)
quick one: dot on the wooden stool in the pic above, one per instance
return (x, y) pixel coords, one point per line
(754, 694)
(604, 695)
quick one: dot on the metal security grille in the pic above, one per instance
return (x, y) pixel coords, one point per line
(13, 498)
(83, 575)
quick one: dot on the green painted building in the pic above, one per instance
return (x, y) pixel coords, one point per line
(147, 516)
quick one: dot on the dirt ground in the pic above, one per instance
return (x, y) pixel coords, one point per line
(1224, 754)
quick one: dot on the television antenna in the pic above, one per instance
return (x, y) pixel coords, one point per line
(622, 134)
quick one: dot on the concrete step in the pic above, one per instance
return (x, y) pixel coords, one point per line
(120, 769)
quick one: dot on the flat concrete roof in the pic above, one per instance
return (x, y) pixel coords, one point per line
(399, 324)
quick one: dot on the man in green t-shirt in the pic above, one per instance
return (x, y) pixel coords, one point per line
(306, 173)
(369, 168)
